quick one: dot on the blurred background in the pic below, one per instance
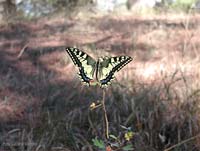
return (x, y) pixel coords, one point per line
(45, 107)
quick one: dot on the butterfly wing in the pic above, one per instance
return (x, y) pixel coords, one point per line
(85, 63)
(108, 66)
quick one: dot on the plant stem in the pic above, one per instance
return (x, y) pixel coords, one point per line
(105, 116)
(185, 141)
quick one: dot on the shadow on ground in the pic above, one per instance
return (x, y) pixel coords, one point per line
(42, 103)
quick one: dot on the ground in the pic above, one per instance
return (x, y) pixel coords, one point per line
(35, 68)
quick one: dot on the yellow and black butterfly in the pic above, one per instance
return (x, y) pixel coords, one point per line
(100, 71)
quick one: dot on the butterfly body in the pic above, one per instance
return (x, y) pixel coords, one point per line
(100, 71)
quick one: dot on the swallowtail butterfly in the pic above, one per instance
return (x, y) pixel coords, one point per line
(100, 71)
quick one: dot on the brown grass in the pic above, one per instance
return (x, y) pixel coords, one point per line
(157, 94)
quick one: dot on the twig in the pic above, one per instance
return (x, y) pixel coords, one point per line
(105, 116)
(91, 123)
(22, 51)
(185, 141)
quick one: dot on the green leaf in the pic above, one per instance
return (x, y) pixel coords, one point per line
(113, 136)
(128, 147)
(98, 143)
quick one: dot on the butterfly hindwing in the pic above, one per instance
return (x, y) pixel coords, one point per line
(108, 66)
(85, 63)
(104, 68)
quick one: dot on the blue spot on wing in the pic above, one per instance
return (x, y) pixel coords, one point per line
(84, 76)
(116, 68)
(107, 79)
(74, 53)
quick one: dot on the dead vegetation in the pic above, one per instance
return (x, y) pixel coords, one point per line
(44, 107)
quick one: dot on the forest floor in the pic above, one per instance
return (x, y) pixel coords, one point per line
(35, 68)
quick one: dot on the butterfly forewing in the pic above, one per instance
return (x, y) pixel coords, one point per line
(85, 63)
(108, 66)
(104, 67)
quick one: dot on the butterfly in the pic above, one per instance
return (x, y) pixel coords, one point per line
(101, 71)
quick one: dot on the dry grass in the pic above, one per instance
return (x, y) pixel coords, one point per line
(44, 106)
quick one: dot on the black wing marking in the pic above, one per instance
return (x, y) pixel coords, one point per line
(109, 66)
(85, 63)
